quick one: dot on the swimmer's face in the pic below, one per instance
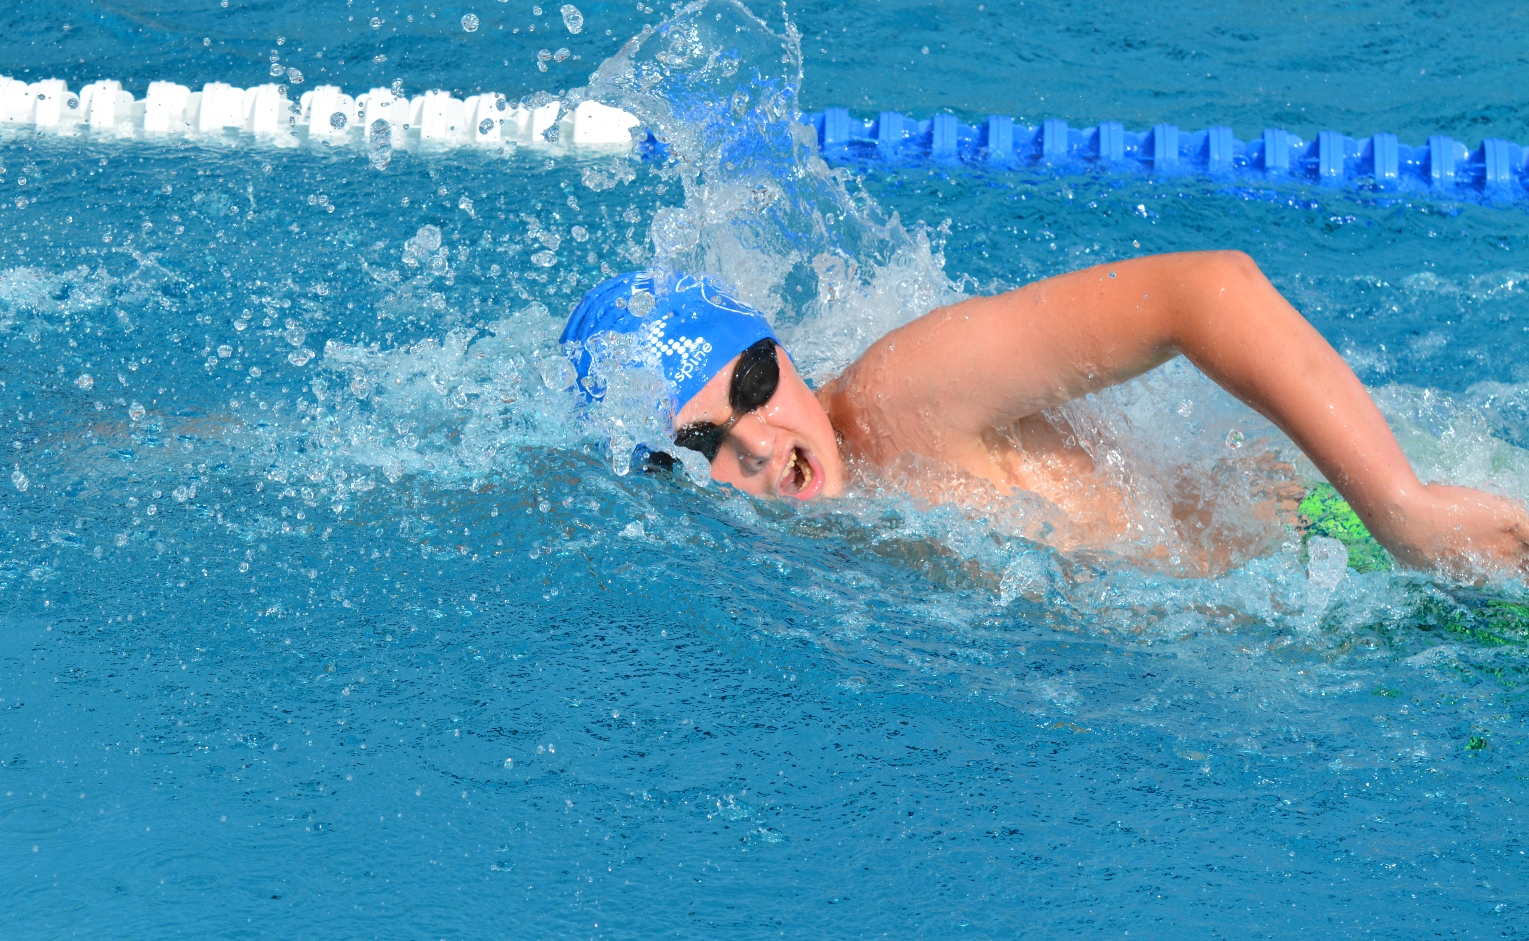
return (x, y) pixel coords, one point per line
(786, 448)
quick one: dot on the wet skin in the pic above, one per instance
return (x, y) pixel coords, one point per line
(963, 388)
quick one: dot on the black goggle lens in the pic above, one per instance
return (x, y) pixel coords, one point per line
(756, 378)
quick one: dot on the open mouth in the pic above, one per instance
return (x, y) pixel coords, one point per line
(802, 478)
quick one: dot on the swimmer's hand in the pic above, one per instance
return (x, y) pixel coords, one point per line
(1457, 532)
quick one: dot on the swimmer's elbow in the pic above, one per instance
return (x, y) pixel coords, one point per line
(1229, 268)
(1217, 283)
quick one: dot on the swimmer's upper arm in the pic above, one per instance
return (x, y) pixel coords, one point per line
(962, 370)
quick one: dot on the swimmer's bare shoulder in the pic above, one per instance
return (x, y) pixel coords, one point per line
(938, 385)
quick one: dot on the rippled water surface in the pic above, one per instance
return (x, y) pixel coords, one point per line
(325, 613)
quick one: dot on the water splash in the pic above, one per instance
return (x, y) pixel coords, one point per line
(717, 89)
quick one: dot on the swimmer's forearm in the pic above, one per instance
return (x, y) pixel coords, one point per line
(1230, 322)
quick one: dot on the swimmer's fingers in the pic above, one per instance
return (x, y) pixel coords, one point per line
(1467, 532)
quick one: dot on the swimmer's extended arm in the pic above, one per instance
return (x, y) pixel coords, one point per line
(989, 361)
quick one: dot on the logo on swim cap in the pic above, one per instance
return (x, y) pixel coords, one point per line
(685, 327)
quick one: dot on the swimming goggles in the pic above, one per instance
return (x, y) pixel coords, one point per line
(755, 379)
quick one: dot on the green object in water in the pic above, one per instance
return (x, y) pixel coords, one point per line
(1508, 616)
(1476, 743)
(1331, 516)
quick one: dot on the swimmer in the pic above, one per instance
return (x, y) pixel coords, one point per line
(964, 387)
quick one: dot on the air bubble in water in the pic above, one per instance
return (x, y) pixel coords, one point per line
(470, 22)
(641, 303)
(579, 233)
(338, 120)
(85, 382)
(1234, 439)
(560, 55)
(485, 126)
(136, 411)
(20, 480)
(544, 258)
(294, 76)
(277, 69)
(428, 237)
(376, 22)
(379, 144)
(536, 11)
(573, 19)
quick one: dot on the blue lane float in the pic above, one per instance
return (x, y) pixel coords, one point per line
(1496, 169)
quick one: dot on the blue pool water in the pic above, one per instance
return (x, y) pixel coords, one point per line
(324, 614)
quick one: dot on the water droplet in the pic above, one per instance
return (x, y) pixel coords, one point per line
(485, 126)
(470, 22)
(536, 11)
(20, 480)
(294, 76)
(225, 351)
(376, 22)
(85, 382)
(544, 258)
(1234, 439)
(338, 120)
(379, 144)
(579, 233)
(572, 18)
(136, 411)
(641, 303)
(277, 69)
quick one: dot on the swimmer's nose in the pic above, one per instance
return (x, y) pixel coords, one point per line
(755, 444)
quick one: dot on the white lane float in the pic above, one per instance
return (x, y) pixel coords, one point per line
(435, 120)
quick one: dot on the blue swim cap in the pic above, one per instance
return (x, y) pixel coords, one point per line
(685, 327)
